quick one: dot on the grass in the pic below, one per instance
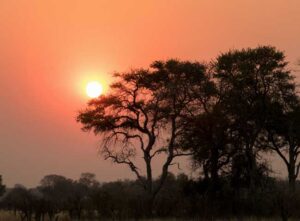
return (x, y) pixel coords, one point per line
(10, 216)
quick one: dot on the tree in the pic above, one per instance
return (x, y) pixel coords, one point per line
(250, 81)
(88, 180)
(284, 137)
(20, 200)
(212, 142)
(2, 187)
(58, 193)
(81, 199)
(145, 112)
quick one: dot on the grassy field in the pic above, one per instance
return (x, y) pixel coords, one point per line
(9, 216)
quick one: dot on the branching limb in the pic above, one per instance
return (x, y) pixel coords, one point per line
(122, 159)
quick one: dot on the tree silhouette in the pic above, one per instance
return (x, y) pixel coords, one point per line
(20, 199)
(250, 81)
(2, 187)
(145, 112)
(284, 137)
(210, 137)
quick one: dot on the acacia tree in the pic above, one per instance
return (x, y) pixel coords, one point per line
(250, 81)
(144, 113)
(284, 137)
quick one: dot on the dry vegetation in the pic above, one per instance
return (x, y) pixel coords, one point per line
(10, 216)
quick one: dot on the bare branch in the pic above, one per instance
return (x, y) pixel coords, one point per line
(177, 164)
(277, 148)
(159, 151)
(131, 165)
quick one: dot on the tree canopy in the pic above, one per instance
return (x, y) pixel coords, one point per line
(145, 113)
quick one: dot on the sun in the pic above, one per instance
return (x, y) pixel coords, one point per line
(94, 89)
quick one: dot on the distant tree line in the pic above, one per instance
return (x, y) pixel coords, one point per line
(58, 197)
(225, 115)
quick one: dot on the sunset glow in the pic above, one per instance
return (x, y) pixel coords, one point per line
(94, 89)
(55, 56)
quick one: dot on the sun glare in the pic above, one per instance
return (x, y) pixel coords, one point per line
(94, 89)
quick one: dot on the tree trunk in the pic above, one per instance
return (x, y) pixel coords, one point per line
(251, 165)
(292, 171)
(150, 208)
(206, 171)
(214, 170)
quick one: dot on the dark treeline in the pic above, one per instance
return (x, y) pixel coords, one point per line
(180, 197)
(226, 116)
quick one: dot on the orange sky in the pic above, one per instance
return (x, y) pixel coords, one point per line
(49, 49)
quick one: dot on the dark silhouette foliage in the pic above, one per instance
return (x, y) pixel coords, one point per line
(226, 116)
(144, 115)
(2, 187)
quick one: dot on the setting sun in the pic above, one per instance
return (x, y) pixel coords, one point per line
(94, 89)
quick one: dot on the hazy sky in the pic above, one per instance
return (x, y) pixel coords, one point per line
(49, 49)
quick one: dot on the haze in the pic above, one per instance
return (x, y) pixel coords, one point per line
(50, 49)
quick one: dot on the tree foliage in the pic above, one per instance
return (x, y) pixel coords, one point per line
(144, 114)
